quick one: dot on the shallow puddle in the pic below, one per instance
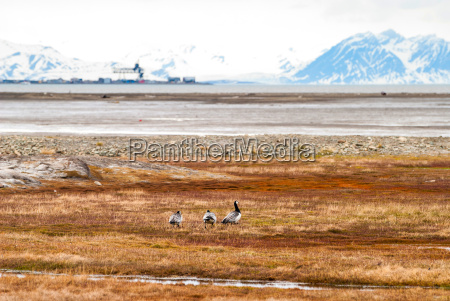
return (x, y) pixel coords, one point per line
(206, 281)
(436, 247)
(176, 280)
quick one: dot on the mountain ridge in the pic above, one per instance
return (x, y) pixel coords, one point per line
(363, 58)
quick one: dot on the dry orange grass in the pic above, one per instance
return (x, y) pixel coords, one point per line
(284, 238)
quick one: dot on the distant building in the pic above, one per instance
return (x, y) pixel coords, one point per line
(137, 69)
(106, 80)
(173, 80)
(75, 80)
(55, 81)
(189, 80)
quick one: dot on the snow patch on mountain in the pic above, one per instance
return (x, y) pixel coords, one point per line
(212, 66)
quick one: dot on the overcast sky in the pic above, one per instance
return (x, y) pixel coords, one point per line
(100, 30)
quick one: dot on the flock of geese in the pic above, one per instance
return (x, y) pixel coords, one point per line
(210, 218)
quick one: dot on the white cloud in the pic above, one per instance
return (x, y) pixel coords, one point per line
(107, 30)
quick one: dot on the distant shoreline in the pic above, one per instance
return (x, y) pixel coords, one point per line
(226, 97)
(224, 88)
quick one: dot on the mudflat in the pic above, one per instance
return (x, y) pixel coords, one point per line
(419, 115)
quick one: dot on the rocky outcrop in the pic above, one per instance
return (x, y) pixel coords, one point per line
(10, 177)
(31, 171)
(24, 170)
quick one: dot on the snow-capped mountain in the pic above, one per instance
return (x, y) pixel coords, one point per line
(384, 58)
(364, 58)
(36, 62)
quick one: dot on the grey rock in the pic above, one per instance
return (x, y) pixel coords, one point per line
(10, 175)
(42, 167)
(58, 165)
(14, 181)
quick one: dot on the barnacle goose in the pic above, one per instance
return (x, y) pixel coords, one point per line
(234, 216)
(209, 218)
(176, 219)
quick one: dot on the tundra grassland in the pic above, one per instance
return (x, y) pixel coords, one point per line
(340, 221)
